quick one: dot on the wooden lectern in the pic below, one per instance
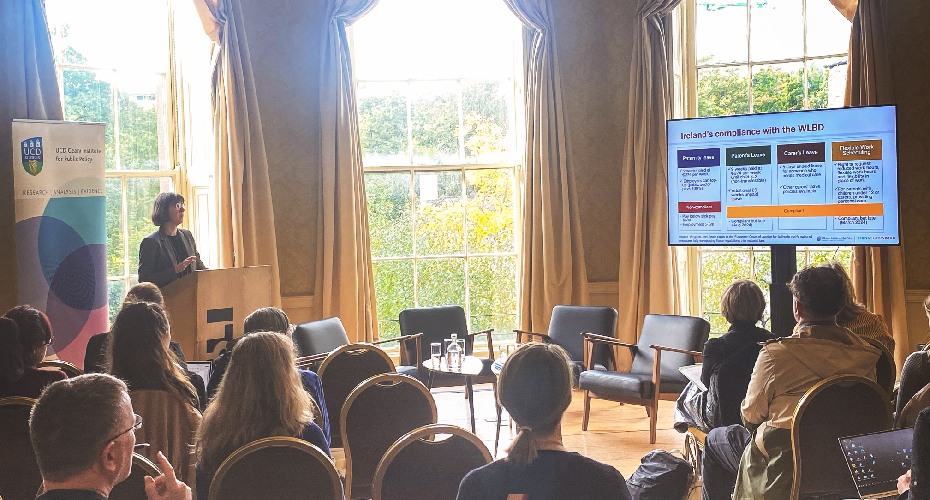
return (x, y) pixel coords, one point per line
(207, 308)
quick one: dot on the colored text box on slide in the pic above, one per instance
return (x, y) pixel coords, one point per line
(828, 210)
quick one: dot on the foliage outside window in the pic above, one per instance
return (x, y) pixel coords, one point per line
(761, 56)
(436, 108)
(112, 62)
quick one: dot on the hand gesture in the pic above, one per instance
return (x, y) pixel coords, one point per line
(184, 263)
(904, 482)
(166, 486)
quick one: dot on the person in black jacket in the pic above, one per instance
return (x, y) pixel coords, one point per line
(169, 253)
(914, 485)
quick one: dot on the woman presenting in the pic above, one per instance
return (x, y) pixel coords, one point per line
(169, 253)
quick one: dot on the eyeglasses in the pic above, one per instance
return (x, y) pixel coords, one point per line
(49, 341)
(135, 426)
(179, 206)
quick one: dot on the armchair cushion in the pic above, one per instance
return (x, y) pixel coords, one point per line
(632, 385)
(681, 332)
(315, 337)
(436, 324)
(578, 367)
(569, 322)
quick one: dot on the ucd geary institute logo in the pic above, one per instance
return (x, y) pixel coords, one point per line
(32, 155)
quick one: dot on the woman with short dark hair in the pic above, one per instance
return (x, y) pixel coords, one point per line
(170, 252)
(25, 334)
(536, 388)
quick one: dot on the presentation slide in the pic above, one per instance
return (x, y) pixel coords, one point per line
(824, 177)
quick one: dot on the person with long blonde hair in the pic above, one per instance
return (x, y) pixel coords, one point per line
(249, 407)
(535, 387)
(856, 316)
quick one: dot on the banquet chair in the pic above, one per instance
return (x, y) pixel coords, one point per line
(885, 369)
(437, 324)
(133, 487)
(19, 472)
(420, 466)
(56, 364)
(907, 417)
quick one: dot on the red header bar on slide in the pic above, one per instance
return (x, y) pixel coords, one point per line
(695, 207)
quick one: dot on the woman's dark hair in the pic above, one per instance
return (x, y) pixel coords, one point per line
(162, 206)
(139, 354)
(536, 388)
(34, 329)
(12, 365)
(145, 292)
(267, 319)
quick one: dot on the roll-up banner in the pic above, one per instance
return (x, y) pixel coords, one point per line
(58, 179)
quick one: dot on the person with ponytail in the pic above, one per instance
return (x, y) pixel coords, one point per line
(535, 387)
(25, 334)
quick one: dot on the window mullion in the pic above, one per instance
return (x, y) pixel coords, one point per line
(749, 98)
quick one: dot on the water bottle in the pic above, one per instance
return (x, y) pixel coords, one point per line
(454, 354)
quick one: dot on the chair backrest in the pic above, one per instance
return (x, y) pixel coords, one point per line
(885, 369)
(436, 324)
(908, 415)
(679, 332)
(380, 411)
(169, 425)
(569, 322)
(19, 473)
(317, 337)
(417, 466)
(133, 487)
(344, 369)
(277, 467)
(840, 406)
(56, 364)
(733, 376)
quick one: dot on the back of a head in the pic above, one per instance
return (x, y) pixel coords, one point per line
(145, 292)
(536, 388)
(249, 407)
(71, 422)
(267, 319)
(12, 365)
(742, 302)
(850, 304)
(34, 328)
(821, 290)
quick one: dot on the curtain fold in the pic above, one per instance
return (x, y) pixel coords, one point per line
(344, 282)
(246, 214)
(648, 266)
(876, 272)
(552, 268)
(28, 89)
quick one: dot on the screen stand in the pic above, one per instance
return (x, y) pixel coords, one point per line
(784, 266)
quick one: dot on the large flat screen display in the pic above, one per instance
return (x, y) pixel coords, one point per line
(823, 177)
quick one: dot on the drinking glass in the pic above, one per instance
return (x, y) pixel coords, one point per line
(435, 349)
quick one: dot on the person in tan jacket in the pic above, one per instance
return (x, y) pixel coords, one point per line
(754, 460)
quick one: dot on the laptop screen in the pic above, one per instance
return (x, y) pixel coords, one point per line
(877, 460)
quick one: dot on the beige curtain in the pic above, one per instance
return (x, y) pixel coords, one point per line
(28, 89)
(344, 283)
(246, 215)
(552, 268)
(648, 266)
(877, 272)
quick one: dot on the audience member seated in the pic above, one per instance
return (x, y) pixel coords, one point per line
(742, 305)
(856, 317)
(913, 485)
(83, 434)
(734, 460)
(139, 354)
(536, 388)
(915, 374)
(95, 355)
(249, 407)
(272, 319)
(25, 335)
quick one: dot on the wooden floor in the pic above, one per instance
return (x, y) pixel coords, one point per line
(617, 434)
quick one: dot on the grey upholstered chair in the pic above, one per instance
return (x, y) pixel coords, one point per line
(666, 343)
(436, 324)
(314, 340)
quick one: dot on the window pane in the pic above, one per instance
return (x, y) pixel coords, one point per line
(382, 123)
(389, 228)
(116, 290)
(488, 131)
(827, 83)
(827, 30)
(777, 87)
(719, 269)
(114, 228)
(721, 33)
(440, 215)
(493, 295)
(777, 30)
(394, 293)
(441, 282)
(88, 97)
(435, 121)
(140, 194)
(490, 210)
(723, 91)
(142, 113)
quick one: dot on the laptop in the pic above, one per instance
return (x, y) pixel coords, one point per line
(202, 368)
(877, 460)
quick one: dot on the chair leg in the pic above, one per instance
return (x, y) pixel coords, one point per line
(587, 410)
(648, 414)
(652, 424)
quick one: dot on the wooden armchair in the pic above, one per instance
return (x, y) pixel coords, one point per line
(434, 324)
(314, 340)
(652, 376)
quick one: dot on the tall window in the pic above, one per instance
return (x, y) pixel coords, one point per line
(112, 59)
(762, 56)
(437, 119)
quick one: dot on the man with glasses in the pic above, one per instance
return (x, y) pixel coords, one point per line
(83, 435)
